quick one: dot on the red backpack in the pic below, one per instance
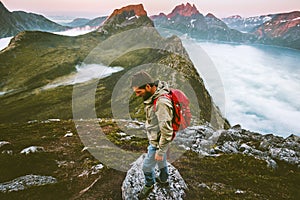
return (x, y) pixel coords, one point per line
(181, 110)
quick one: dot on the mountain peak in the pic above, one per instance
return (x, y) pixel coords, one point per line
(138, 10)
(235, 17)
(125, 18)
(3, 8)
(210, 15)
(184, 10)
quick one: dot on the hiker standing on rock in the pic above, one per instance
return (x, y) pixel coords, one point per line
(158, 126)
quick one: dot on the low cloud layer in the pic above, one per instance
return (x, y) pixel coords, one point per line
(261, 84)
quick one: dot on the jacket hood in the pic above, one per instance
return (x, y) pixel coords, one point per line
(161, 88)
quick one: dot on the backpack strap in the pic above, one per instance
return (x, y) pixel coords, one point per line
(155, 100)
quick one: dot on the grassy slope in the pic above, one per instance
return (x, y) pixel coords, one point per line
(33, 59)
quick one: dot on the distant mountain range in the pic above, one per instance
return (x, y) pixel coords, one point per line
(275, 29)
(282, 29)
(14, 22)
(246, 24)
(187, 19)
(82, 22)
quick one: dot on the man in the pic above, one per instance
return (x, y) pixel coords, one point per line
(158, 126)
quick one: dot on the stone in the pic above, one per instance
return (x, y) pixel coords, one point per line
(134, 183)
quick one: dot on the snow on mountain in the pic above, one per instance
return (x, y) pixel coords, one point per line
(246, 24)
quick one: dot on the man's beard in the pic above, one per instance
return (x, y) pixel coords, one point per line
(147, 95)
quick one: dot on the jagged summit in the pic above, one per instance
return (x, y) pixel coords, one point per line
(128, 17)
(184, 10)
(138, 10)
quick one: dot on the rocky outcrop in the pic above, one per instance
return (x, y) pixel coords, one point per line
(207, 142)
(126, 18)
(25, 182)
(14, 22)
(32, 149)
(134, 182)
(138, 10)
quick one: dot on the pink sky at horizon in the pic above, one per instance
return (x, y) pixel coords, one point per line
(96, 8)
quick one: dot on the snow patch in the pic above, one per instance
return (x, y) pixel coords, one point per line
(133, 17)
(295, 19)
(192, 23)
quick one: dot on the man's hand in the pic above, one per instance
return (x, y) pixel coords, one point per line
(158, 157)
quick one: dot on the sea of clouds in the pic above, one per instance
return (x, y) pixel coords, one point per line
(261, 84)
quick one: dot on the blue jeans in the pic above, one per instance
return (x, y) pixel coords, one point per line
(149, 167)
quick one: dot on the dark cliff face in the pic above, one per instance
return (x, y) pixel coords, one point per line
(14, 22)
(126, 18)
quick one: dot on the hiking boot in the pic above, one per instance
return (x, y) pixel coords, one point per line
(145, 192)
(162, 183)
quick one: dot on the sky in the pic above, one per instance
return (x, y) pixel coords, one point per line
(96, 8)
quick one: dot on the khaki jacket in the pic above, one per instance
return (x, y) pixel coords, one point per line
(159, 123)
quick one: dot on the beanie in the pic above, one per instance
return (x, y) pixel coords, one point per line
(140, 79)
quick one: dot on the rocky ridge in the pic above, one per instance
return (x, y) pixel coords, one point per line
(207, 142)
(283, 29)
